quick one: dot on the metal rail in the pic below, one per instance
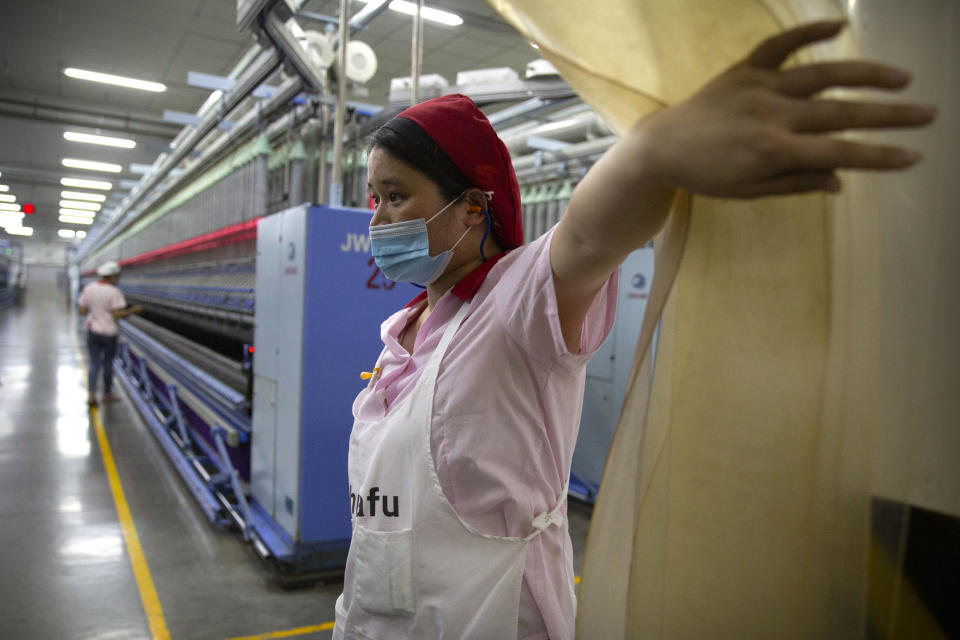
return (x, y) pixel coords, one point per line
(228, 371)
(229, 403)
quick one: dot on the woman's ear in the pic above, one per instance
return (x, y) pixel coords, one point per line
(476, 203)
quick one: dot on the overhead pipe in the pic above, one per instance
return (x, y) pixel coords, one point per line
(215, 96)
(416, 54)
(570, 130)
(336, 188)
(358, 22)
(49, 111)
(265, 65)
(541, 111)
(534, 162)
(366, 15)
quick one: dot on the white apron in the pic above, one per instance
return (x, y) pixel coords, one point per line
(415, 569)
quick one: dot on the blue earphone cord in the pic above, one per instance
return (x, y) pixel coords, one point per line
(483, 241)
(485, 234)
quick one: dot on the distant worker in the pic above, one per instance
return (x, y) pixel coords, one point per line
(459, 459)
(103, 304)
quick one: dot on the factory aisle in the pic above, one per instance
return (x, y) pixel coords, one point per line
(66, 570)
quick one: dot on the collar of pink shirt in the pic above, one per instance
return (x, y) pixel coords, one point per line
(466, 288)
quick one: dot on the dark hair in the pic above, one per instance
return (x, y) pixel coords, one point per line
(406, 141)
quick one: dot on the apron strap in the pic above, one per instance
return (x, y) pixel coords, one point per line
(550, 518)
(441, 349)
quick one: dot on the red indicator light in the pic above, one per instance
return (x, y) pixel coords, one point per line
(250, 349)
(27, 208)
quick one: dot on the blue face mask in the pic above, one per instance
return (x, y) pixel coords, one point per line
(402, 250)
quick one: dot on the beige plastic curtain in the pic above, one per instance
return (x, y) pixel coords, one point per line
(807, 362)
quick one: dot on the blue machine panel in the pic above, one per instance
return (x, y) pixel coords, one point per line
(327, 301)
(347, 300)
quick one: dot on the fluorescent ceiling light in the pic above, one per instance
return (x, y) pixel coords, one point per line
(20, 231)
(73, 163)
(75, 219)
(79, 183)
(4, 187)
(10, 219)
(77, 212)
(81, 233)
(66, 233)
(80, 195)
(77, 204)
(7, 197)
(9, 207)
(76, 136)
(429, 13)
(107, 78)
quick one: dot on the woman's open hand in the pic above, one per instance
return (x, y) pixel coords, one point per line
(758, 130)
(755, 130)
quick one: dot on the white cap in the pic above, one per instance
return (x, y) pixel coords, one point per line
(108, 269)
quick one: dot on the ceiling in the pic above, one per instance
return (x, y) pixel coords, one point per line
(163, 41)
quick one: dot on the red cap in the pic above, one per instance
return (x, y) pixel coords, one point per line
(459, 128)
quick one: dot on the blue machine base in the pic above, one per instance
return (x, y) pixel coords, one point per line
(583, 489)
(204, 495)
(299, 557)
(291, 558)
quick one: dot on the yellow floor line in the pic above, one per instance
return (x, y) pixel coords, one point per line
(299, 631)
(148, 594)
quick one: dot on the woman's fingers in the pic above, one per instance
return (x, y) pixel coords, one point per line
(802, 182)
(807, 80)
(820, 116)
(756, 130)
(772, 52)
(822, 153)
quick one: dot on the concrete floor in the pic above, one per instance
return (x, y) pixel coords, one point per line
(67, 571)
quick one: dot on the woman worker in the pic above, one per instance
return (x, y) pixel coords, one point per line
(462, 443)
(103, 304)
